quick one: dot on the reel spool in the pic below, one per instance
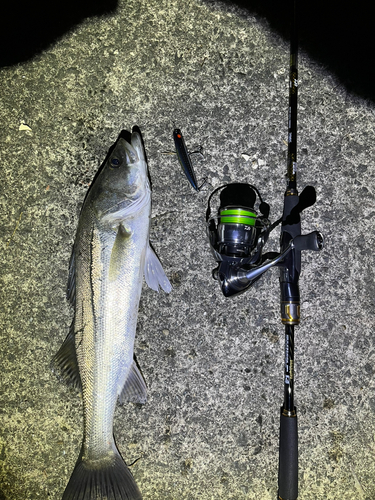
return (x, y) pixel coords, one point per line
(237, 234)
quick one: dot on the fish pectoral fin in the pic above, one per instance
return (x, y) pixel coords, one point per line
(134, 389)
(154, 273)
(64, 364)
(117, 254)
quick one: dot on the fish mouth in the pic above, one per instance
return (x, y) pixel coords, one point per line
(134, 139)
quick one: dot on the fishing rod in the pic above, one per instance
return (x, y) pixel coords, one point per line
(238, 233)
(290, 296)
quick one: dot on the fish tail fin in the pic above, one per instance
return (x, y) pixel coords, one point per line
(109, 478)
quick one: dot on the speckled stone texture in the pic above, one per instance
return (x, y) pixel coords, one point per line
(213, 366)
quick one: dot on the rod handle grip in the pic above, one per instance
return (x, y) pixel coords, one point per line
(288, 457)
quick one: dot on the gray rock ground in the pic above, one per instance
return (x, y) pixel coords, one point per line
(213, 366)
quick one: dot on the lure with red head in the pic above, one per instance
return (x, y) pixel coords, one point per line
(184, 158)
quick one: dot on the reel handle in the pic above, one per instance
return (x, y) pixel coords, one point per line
(312, 241)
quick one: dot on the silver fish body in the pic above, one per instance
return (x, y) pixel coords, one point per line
(110, 256)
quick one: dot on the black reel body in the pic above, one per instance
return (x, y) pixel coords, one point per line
(237, 236)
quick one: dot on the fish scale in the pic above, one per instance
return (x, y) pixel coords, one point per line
(111, 253)
(112, 310)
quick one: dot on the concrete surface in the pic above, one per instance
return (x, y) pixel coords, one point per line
(213, 366)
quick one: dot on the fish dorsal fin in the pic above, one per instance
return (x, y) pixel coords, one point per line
(64, 363)
(71, 287)
(154, 273)
(134, 389)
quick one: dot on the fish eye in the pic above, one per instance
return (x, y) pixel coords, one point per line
(115, 162)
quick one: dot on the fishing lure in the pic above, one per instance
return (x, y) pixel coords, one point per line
(183, 156)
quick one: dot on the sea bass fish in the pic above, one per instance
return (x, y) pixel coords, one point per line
(110, 256)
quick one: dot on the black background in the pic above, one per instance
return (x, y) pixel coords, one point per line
(339, 35)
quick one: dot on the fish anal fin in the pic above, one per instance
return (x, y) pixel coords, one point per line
(134, 389)
(154, 272)
(64, 364)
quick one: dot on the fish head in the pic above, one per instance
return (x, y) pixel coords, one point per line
(122, 186)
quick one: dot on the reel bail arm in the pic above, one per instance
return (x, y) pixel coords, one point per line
(235, 280)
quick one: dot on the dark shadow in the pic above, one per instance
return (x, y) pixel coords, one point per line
(28, 27)
(339, 35)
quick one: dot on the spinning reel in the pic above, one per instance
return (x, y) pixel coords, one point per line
(238, 234)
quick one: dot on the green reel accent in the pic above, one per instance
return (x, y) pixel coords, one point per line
(238, 216)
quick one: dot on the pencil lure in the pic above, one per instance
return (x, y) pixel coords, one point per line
(183, 156)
